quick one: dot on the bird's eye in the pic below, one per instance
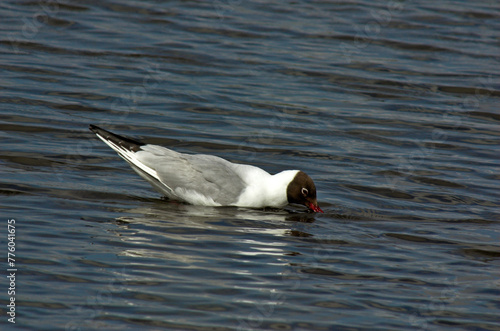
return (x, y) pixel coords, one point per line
(305, 191)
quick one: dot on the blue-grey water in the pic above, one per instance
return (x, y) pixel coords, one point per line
(392, 107)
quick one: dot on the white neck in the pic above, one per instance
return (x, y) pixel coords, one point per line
(268, 191)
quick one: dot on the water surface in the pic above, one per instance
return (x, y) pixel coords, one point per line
(391, 107)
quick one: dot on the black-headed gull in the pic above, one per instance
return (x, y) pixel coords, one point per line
(208, 180)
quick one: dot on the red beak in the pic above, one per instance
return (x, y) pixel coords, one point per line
(314, 207)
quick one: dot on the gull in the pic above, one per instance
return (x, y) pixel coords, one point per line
(209, 180)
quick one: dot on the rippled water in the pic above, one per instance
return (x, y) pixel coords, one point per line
(391, 107)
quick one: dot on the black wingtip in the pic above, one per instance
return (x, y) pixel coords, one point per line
(94, 128)
(125, 142)
(103, 133)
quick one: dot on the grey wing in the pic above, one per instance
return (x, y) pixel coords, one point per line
(205, 175)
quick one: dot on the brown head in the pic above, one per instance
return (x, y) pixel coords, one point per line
(302, 190)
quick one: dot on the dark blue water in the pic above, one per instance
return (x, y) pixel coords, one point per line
(390, 106)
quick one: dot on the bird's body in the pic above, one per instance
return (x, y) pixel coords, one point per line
(209, 180)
